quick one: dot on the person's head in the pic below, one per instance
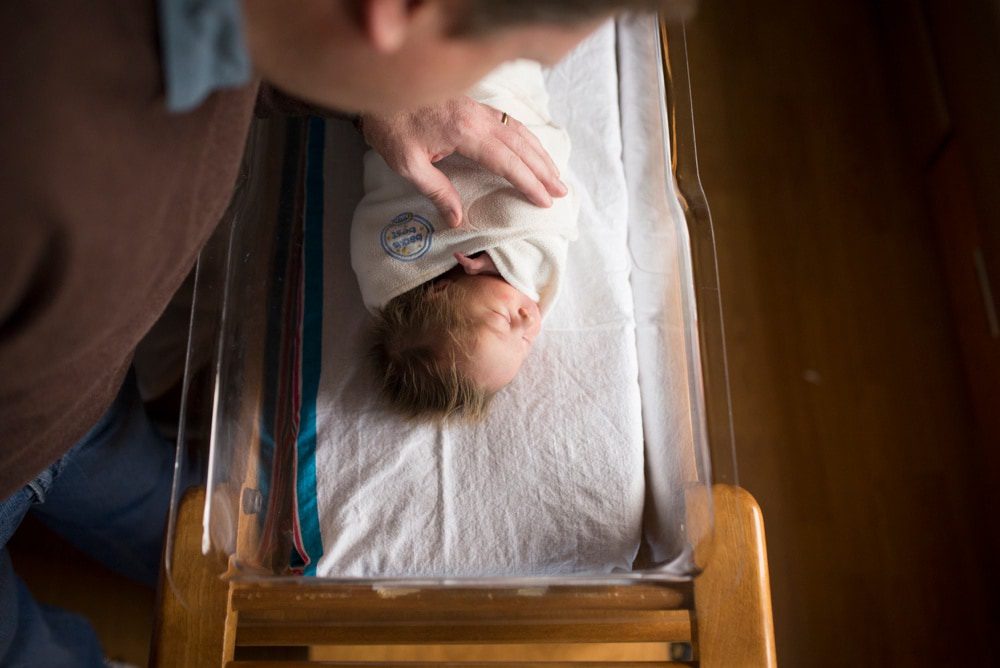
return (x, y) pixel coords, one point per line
(387, 55)
(445, 348)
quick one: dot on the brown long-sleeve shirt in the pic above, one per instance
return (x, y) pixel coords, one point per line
(105, 201)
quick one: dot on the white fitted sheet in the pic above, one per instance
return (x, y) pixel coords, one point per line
(553, 481)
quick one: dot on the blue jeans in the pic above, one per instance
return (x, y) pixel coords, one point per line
(108, 496)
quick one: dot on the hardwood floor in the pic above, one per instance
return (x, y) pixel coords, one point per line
(120, 610)
(852, 423)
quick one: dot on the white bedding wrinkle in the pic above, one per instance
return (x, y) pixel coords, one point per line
(552, 481)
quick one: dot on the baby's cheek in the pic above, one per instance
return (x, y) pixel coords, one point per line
(504, 296)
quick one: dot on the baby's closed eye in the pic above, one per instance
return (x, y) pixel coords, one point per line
(504, 317)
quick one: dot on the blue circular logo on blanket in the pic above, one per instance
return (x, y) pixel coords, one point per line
(407, 237)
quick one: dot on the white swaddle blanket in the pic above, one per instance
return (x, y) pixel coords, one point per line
(399, 240)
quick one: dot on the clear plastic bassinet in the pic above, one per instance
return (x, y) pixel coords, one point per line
(245, 370)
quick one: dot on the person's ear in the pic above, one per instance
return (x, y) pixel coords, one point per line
(388, 23)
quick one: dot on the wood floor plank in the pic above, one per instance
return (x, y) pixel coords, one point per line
(851, 421)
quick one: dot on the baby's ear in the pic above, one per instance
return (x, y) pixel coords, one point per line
(482, 264)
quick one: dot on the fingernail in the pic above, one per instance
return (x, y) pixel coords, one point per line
(455, 218)
(563, 187)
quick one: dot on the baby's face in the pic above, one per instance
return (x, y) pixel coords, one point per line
(506, 323)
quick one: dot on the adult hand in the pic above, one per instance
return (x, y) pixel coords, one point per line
(410, 142)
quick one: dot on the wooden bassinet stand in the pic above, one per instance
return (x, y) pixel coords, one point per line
(205, 619)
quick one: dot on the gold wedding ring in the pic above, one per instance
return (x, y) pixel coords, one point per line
(503, 119)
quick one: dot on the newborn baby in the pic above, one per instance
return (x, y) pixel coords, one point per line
(457, 309)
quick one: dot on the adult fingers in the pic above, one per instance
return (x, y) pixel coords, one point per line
(429, 180)
(523, 141)
(497, 157)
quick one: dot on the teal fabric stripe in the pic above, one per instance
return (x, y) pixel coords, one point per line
(312, 334)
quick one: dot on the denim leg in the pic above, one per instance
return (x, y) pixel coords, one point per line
(33, 634)
(112, 495)
(109, 496)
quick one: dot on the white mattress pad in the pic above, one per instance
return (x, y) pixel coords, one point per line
(552, 481)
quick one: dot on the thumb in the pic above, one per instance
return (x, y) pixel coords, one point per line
(436, 187)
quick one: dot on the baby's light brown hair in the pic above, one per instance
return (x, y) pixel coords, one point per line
(421, 339)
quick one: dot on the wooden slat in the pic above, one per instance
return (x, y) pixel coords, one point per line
(332, 598)
(525, 614)
(602, 653)
(456, 664)
(733, 595)
(631, 626)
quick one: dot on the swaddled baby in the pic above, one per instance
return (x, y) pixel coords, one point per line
(457, 309)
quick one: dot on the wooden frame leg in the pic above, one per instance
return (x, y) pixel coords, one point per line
(732, 597)
(195, 626)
